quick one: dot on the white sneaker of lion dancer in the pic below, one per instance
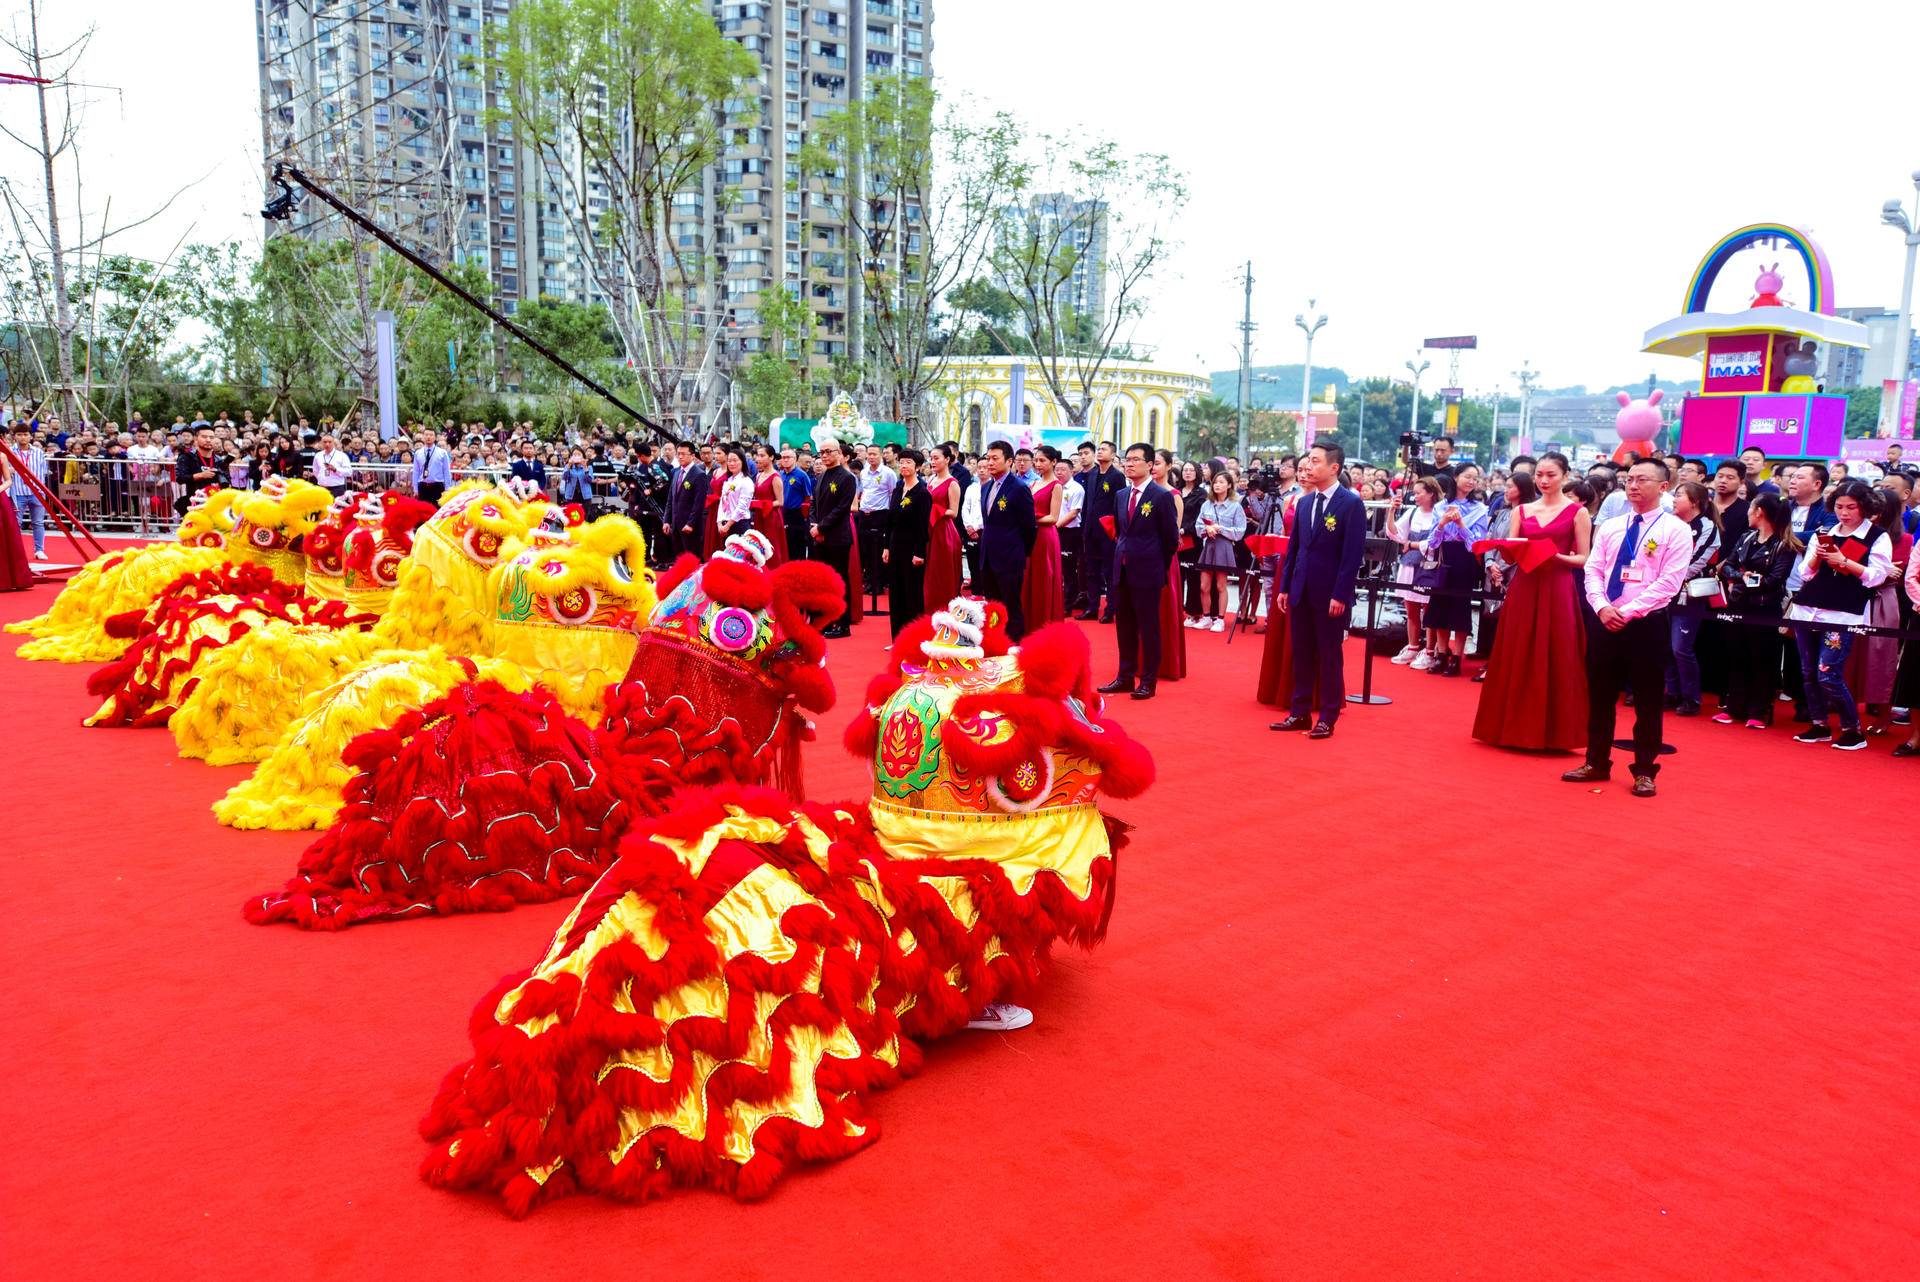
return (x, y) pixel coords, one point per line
(1001, 1017)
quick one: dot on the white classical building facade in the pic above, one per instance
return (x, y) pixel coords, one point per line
(1132, 401)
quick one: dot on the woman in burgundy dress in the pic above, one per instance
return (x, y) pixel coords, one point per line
(769, 517)
(1173, 615)
(1535, 694)
(1043, 595)
(943, 536)
(16, 572)
(1276, 659)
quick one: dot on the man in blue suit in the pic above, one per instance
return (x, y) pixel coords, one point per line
(1316, 585)
(1146, 536)
(1007, 531)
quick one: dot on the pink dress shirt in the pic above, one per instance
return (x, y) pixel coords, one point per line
(1659, 566)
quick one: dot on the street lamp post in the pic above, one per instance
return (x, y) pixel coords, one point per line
(1306, 374)
(1413, 414)
(1895, 216)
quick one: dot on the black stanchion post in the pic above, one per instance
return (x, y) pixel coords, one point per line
(1366, 695)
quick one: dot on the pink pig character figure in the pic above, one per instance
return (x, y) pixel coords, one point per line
(1766, 289)
(1637, 423)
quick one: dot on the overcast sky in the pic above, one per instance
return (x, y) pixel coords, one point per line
(1510, 171)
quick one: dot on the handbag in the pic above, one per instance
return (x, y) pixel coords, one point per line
(1428, 574)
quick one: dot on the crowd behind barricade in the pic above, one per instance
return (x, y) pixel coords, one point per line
(917, 526)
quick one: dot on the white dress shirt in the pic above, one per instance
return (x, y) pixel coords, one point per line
(331, 467)
(970, 505)
(1073, 496)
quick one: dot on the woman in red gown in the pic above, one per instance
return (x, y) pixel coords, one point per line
(16, 572)
(1276, 658)
(1043, 595)
(769, 517)
(1173, 618)
(1535, 694)
(943, 534)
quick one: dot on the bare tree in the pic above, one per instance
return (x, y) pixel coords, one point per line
(56, 257)
(1078, 253)
(926, 187)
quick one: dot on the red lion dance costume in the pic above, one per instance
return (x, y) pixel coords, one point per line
(488, 797)
(724, 998)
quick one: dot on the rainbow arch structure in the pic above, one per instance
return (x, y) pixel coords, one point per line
(1819, 270)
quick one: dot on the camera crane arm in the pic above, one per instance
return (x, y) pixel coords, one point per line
(280, 208)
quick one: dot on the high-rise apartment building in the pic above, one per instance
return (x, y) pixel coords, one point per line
(386, 99)
(781, 228)
(1057, 222)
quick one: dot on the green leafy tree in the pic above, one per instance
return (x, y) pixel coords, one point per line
(1208, 426)
(582, 333)
(778, 379)
(622, 93)
(448, 350)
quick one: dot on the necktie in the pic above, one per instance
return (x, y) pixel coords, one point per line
(1133, 504)
(1616, 579)
(1313, 511)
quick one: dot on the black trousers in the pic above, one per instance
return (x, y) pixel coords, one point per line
(688, 540)
(1318, 662)
(837, 559)
(1070, 560)
(1634, 658)
(1753, 671)
(1098, 570)
(799, 544)
(1136, 612)
(1003, 583)
(871, 528)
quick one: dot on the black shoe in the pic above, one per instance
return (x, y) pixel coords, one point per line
(1144, 690)
(1643, 786)
(1479, 676)
(837, 632)
(1087, 616)
(1108, 618)
(1686, 709)
(1321, 730)
(1453, 666)
(1906, 750)
(1850, 741)
(1814, 734)
(1290, 725)
(1119, 685)
(1588, 773)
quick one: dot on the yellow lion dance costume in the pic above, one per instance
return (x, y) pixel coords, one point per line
(123, 581)
(248, 689)
(435, 595)
(565, 610)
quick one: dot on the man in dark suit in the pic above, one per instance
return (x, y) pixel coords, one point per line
(687, 506)
(831, 529)
(1007, 531)
(1316, 586)
(1146, 536)
(1103, 484)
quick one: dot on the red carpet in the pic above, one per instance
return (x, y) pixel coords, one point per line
(1393, 1006)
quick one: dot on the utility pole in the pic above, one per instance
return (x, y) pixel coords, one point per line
(1527, 376)
(1246, 361)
